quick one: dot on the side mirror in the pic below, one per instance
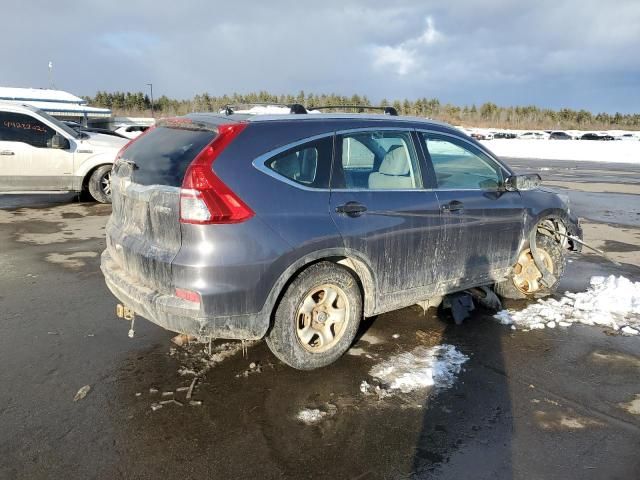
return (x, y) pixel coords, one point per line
(521, 183)
(59, 142)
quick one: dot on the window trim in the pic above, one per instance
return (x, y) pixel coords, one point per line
(506, 171)
(416, 151)
(424, 160)
(260, 162)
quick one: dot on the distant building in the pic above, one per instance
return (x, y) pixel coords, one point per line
(57, 103)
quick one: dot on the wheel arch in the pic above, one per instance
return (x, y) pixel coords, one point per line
(557, 221)
(84, 187)
(352, 261)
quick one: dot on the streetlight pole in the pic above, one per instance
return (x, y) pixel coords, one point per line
(151, 87)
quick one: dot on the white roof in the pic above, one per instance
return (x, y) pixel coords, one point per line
(67, 107)
(52, 101)
(38, 94)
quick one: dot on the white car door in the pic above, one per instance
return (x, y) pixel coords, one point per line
(28, 161)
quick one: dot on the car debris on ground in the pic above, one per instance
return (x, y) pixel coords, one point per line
(82, 393)
(183, 339)
(463, 303)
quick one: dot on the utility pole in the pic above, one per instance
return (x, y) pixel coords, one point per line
(151, 87)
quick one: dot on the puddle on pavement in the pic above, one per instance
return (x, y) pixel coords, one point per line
(60, 224)
(619, 247)
(615, 359)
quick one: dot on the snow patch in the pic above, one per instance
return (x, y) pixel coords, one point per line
(311, 416)
(420, 368)
(612, 302)
(580, 150)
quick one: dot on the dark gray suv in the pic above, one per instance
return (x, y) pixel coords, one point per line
(295, 227)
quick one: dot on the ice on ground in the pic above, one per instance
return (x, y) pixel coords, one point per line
(311, 416)
(612, 302)
(420, 368)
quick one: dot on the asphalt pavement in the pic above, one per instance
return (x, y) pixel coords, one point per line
(546, 404)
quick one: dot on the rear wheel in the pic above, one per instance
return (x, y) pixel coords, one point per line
(525, 280)
(317, 318)
(100, 184)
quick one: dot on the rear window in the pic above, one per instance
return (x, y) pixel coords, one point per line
(162, 155)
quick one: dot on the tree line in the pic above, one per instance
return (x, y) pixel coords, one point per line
(486, 115)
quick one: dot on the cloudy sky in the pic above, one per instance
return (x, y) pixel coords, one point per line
(574, 53)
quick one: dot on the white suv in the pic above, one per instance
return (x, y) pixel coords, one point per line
(40, 154)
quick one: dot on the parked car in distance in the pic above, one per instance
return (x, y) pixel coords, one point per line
(81, 128)
(629, 137)
(534, 136)
(596, 136)
(40, 154)
(482, 135)
(296, 227)
(560, 136)
(505, 135)
(131, 131)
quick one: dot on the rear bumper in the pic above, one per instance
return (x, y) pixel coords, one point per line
(176, 314)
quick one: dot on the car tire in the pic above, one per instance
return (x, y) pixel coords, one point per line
(100, 184)
(307, 332)
(516, 287)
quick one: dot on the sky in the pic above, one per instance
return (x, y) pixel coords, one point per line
(555, 54)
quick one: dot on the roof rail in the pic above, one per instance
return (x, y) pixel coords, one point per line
(294, 108)
(361, 108)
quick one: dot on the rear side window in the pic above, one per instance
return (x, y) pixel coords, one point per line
(163, 155)
(308, 164)
(17, 127)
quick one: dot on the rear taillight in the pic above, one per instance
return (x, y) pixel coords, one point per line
(204, 198)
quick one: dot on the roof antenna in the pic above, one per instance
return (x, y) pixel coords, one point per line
(51, 85)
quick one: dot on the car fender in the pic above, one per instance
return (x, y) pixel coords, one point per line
(90, 163)
(542, 204)
(351, 259)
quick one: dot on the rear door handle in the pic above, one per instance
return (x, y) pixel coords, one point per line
(453, 206)
(352, 209)
(6, 152)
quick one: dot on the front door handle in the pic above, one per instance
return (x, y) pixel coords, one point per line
(453, 206)
(352, 209)
(6, 152)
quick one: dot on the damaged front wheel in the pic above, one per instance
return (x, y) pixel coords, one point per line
(526, 279)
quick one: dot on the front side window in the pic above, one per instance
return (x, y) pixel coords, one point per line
(377, 160)
(17, 127)
(459, 165)
(308, 164)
